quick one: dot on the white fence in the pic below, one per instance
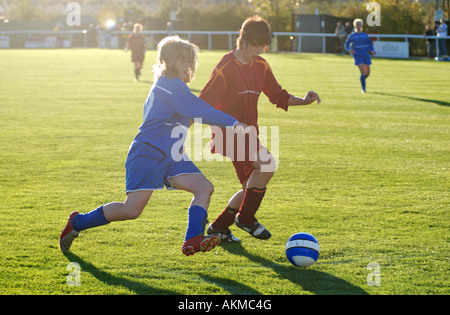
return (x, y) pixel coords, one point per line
(298, 39)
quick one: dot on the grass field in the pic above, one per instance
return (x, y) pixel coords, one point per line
(367, 174)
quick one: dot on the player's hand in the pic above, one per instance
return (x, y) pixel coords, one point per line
(312, 96)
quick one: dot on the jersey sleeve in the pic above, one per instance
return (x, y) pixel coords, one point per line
(129, 38)
(187, 104)
(273, 90)
(214, 90)
(348, 42)
(370, 44)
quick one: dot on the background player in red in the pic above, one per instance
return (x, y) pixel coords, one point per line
(234, 88)
(136, 42)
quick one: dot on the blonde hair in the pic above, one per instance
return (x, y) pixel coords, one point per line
(170, 49)
(358, 21)
(136, 26)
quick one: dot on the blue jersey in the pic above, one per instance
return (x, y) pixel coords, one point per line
(360, 43)
(171, 104)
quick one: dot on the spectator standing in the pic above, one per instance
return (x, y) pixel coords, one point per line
(431, 43)
(341, 34)
(348, 28)
(442, 31)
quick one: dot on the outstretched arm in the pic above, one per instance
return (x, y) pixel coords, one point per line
(309, 98)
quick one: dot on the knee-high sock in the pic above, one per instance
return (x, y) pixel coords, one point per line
(363, 81)
(225, 219)
(196, 222)
(84, 221)
(252, 200)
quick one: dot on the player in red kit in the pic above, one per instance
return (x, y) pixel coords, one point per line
(137, 43)
(234, 88)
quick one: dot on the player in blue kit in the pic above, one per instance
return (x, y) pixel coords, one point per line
(150, 163)
(360, 46)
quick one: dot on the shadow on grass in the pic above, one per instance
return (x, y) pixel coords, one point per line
(419, 99)
(316, 282)
(232, 286)
(137, 287)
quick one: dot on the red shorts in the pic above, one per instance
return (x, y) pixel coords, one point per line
(242, 150)
(243, 170)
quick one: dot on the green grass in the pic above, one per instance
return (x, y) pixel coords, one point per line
(367, 174)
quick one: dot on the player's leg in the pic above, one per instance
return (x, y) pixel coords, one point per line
(139, 67)
(235, 202)
(136, 70)
(254, 177)
(130, 209)
(362, 69)
(225, 219)
(367, 70)
(264, 168)
(363, 76)
(198, 185)
(221, 224)
(202, 189)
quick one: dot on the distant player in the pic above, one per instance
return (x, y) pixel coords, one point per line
(360, 46)
(136, 42)
(234, 88)
(150, 164)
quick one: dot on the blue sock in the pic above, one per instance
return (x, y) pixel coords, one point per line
(196, 222)
(89, 220)
(363, 82)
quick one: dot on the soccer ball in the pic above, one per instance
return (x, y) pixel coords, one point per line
(302, 249)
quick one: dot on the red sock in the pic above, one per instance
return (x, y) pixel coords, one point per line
(250, 204)
(225, 219)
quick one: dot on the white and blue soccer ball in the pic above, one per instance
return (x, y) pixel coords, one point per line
(302, 249)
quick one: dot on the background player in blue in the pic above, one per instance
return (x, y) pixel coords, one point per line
(150, 163)
(360, 46)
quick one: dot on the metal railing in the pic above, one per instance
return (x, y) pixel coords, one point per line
(405, 37)
(296, 37)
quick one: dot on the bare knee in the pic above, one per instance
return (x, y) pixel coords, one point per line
(132, 213)
(206, 188)
(203, 190)
(265, 169)
(132, 209)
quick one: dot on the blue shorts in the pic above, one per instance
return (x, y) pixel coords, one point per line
(148, 168)
(362, 59)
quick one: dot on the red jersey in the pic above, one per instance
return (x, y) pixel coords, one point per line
(136, 42)
(234, 88)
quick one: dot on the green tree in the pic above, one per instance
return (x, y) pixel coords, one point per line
(277, 12)
(397, 16)
(25, 11)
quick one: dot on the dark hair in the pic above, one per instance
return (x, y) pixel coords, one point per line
(255, 31)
